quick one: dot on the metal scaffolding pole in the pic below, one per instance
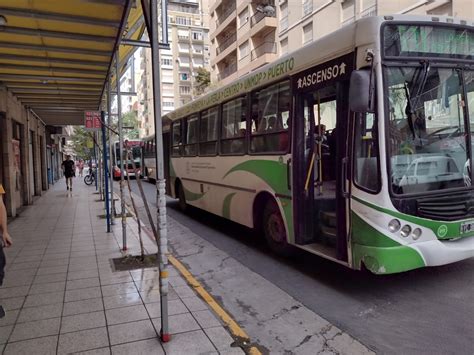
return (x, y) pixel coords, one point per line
(104, 147)
(111, 167)
(160, 183)
(122, 172)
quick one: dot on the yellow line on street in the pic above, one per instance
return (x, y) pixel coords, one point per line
(234, 328)
(232, 325)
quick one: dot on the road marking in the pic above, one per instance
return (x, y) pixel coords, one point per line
(232, 325)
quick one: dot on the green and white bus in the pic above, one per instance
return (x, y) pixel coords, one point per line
(356, 147)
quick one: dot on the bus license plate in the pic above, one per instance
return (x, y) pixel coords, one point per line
(467, 227)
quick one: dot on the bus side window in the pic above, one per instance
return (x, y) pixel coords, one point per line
(208, 131)
(270, 119)
(366, 156)
(190, 147)
(233, 127)
(177, 140)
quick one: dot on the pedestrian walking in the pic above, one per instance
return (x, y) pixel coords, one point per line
(6, 241)
(81, 167)
(69, 169)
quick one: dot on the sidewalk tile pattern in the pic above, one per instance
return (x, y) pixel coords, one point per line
(62, 296)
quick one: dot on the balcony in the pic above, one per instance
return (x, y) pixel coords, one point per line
(259, 16)
(227, 71)
(227, 42)
(224, 14)
(264, 48)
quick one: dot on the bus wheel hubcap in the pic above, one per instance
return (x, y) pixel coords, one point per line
(275, 228)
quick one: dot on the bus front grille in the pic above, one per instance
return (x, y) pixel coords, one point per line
(447, 208)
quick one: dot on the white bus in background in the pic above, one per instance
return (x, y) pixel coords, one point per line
(341, 147)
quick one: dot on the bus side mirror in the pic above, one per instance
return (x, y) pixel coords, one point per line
(361, 91)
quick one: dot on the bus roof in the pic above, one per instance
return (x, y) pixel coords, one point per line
(364, 31)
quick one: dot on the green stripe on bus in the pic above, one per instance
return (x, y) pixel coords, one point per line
(379, 253)
(192, 196)
(226, 205)
(442, 229)
(272, 172)
(387, 260)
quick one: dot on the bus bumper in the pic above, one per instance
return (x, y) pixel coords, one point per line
(389, 260)
(441, 252)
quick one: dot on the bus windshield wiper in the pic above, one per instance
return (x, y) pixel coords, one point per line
(410, 109)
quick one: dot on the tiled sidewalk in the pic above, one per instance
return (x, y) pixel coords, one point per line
(61, 295)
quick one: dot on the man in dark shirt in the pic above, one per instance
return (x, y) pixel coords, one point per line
(69, 171)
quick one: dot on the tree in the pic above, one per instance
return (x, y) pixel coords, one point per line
(203, 80)
(130, 124)
(81, 141)
(130, 120)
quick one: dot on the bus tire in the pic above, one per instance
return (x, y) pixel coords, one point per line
(181, 198)
(274, 230)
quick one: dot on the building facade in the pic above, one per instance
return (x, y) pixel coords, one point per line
(243, 36)
(246, 34)
(303, 21)
(31, 153)
(188, 35)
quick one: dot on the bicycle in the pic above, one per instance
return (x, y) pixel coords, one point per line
(89, 179)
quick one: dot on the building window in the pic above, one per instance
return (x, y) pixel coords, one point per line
(234, 127)
(184, 90)
(348, 12)
(270, 118)
(283, 16)
(197, 36)
(308, 33)
(244, 17)
(307, 7)
(284, 46)
(244, 49)
(184, 76)
(180, 20)
(166, 61)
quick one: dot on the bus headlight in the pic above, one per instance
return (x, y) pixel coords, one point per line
(405, 231)
(394, 225)
(416, 233)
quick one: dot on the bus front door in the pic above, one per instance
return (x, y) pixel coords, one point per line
(319, 148)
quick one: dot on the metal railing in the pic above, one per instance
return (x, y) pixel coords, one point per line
(224, 45)
(231, 69)
(264, 48)
(224, 15)
(259, 16)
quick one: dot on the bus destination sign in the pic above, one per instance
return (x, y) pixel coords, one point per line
(324, 74)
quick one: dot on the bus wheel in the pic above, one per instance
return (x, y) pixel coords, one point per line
(274, 230)
(182, 198)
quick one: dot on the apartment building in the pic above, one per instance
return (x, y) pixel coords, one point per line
(243, 36)
(246, 34)
(303, 21)
(188, 34)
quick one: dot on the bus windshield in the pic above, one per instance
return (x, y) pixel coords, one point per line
(428, 140)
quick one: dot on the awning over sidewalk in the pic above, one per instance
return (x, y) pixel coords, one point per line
(55, 54)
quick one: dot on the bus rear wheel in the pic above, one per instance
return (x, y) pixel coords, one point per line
(274, 230)
(182, 198)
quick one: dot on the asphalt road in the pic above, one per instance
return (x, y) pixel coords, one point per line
(426, 311)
